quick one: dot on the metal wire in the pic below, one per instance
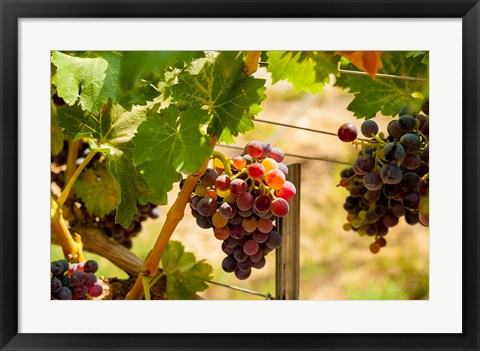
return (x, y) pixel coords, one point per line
(382, 75)
(295, 155)
(301, 128)
(267, 296)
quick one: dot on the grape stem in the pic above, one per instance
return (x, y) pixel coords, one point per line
(224, 159)
(174, 216)
(71, 247)
(63, 196)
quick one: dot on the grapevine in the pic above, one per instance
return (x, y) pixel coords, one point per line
(127, 126)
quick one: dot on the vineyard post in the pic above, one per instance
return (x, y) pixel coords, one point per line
(287, 272)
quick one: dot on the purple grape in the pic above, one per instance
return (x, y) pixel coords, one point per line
(240, 255)
(90, 266)
(229, 264)
(77, 278)
(372, 181)
(207, 206)
(274, 240)
(55, 285)
(369, 128)
(95, 290)
(391, 174)
(64, 294)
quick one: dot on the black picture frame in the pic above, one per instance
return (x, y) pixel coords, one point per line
(13, 10)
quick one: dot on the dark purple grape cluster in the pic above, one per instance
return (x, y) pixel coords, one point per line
(240, 199)
(74, 281)
(390, 177)
(106, 223)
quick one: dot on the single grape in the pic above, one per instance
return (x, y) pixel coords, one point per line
(238, 187)
(245, 266)
(207, 206)
(90, 279)
(218, 220)
(229, 264)
(95, 290)
(256, 170)
(269, 163)
(240, 255)
(410, 182)
(394, 129)
(254, 148)
(275, 179)
(411, 201)
(237, 231)
(222, 182)
(203, 222)
(410, 142)
(242, 275)
(239, 162)
(58, 268)
(264, 225)
(267, 148)
(393, 152)
(407, 110)
(274, 240)
(90, 266)
(277, 154)
(250, 247)
(227, 211)
(249, 224)
(262, 204)
(391, 174)
(283, 167)
(382, 242)
(77, 278)
(221, 233)
(372, 181)
(364, 164)
(259, 264)
(374, 247)
(55, 285)
(257, 257)
(64, 294)
(407, 123)
(369, 128)
(347, 132)
(259, 236)
(279, 207)
(411, 162)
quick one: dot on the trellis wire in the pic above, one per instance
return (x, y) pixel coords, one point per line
(295, 155)
(267, 296)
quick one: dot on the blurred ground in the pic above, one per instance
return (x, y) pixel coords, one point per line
(335, 264)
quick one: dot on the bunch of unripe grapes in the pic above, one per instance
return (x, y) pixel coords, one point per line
(106, 223)
(390, 177)
(240, 199)
(75, 281)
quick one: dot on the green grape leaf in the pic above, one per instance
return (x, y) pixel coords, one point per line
(386, 95)
(306, 70)
(96, 188)
(169, 143)
(90, 80)
(153, 64)
(219, 86)
(185, 276)
(113, 130)
(56, 134)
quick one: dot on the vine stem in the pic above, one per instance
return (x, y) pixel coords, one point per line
(174, 216)
(225, 161)
(63, 196)
(72, 249)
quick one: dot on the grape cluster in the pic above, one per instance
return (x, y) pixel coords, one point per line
(106, 223)
(240, 199)
(74, 281)
(390, 177)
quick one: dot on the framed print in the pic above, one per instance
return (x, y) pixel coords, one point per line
(295, 129)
